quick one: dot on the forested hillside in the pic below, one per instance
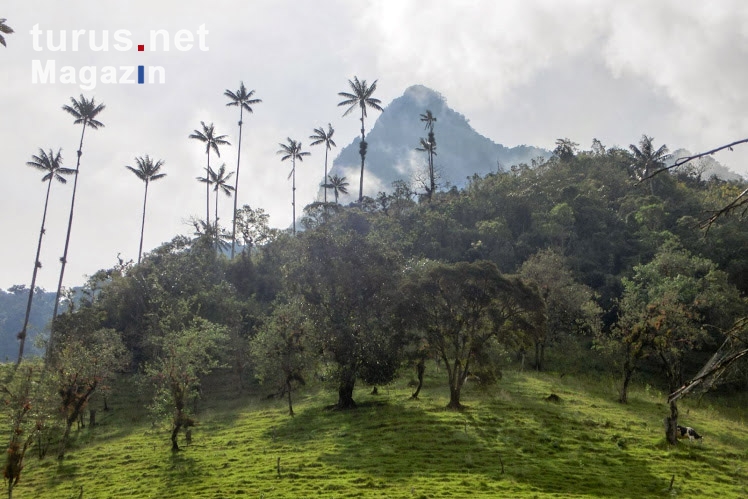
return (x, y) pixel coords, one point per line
(578, 231)
(572, 265)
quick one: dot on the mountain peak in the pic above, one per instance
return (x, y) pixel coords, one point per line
(424, 96)
(394, 136)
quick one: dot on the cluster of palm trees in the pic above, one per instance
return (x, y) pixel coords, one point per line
(336, 183)
(360, 96)
(428, 146)
(212, 140)
(219, 178)
(85, 112)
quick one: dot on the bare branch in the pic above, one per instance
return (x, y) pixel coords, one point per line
(740, 200)
(684, 160)
(719, 363)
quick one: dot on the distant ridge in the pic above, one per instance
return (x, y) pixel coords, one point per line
(391, 155)
(707, 166)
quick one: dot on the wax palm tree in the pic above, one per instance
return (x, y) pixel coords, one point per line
(337, 184)
(208, 136)
(362, 98)
(51, 164)
(647, 159)
(208, 181)
(85, 113)
(429, 119)
(429, 145)
(220, 180)
(4, 28)
(206, 235)
(292, 150)
(322, 137)
(566, 149)
(147, 171)
(244, 101)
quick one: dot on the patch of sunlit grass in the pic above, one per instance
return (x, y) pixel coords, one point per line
(509, 442)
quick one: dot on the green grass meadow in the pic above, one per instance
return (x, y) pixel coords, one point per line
(509, 442)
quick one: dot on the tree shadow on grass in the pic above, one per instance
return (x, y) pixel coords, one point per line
(557, 449)
(381, 444)
(182, 472)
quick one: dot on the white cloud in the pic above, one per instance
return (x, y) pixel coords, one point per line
(521, 71)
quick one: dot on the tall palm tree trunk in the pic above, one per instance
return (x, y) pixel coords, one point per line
(293, 193)
(236, 184)
(207, 192)
(216, 218)
(142, 223)
(326, 176)
(362, 151)
(64, 258)
(37, 264)
(432, 181)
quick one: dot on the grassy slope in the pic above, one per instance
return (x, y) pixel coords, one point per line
(587, 445)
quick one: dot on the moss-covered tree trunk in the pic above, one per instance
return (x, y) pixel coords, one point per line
(74, 411)
(178, 394)
(345, 389)
(456, 376)
(671, 427)
(288, 390)
(420, 370)
(628, 373)
(539, 355)
(175, 435)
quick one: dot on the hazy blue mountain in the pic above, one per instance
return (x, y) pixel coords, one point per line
(707, 166)
(391, 155)
(13, 303)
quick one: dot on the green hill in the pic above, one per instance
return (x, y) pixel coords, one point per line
(509, 442)
(569, 265)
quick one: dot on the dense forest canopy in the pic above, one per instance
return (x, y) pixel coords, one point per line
(586, 212)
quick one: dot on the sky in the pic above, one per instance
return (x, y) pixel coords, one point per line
(523, 72)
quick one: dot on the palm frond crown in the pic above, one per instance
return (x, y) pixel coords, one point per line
(429, 119)
(242, 98)
(209, 137)
(647, 158)
(85, 111)
(361, 96)
(338, 183)
(4, 28)
(323, 137)
(427, 146)
(220, 180)
(51, 163)
(292, 150)
(147, 170)
(208, 178)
